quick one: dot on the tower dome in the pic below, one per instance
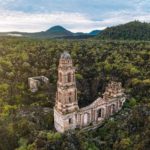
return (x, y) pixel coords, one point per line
(65, 55)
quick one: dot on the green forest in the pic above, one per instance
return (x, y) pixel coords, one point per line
(134, 30)
(26, 118)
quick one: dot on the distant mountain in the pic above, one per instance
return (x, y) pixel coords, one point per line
(95, 32)
(56, 31)
(59, 30)
(53, 32)
(130, 31)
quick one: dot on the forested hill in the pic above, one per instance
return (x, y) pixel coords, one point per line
(131, 31)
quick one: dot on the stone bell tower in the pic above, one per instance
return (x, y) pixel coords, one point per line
(66, 104)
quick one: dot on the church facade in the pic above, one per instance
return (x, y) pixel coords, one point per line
(68, 115)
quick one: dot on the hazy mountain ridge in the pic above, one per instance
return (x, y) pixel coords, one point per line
(134, 30)
(95, 32)
(53, 32)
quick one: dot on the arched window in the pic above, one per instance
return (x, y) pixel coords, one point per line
(59, 96)
(69, 77)
(70, 121)
(60, 77)
(99, 113)
(69, 99)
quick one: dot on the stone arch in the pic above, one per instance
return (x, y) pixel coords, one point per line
(70, 120)
(86, 117)
(100, 113)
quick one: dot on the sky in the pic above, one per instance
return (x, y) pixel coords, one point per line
(74, 15)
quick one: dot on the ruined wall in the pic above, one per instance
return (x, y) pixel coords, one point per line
(35, 82)
(67, 114)
(95, 113)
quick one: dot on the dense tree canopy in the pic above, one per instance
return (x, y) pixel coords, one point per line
(131, 31)
(26, 119)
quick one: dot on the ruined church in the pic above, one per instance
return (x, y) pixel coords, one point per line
(68, 115)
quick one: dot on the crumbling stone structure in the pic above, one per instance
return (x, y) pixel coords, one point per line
(67, 114)
(35, 82)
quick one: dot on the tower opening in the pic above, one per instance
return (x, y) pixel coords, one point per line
(69, 99)
(69, 77)
(60, 77)
(70, 121)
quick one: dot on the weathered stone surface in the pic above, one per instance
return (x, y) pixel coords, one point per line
(67, 114)
(35, 82)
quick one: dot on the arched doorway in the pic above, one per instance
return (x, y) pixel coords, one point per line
(86, 119)
(100, 113)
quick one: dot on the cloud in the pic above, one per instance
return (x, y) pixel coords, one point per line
(19, 16)
(6, 2)
(33, 22)
(76, 22)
